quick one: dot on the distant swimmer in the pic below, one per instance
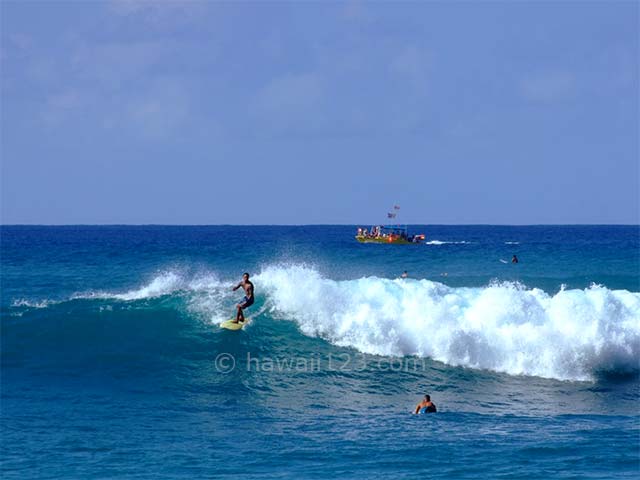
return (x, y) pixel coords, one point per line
(426, 406)
(514, 259)
(404, 274)
(247, 301)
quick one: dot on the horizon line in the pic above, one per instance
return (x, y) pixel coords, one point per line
(313, 224)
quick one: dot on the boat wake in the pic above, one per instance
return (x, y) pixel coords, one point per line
(443, 242)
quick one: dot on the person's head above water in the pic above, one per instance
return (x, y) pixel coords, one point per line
(427, 398)
(245, 276)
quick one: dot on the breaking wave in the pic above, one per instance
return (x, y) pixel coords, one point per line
(572, 335)
(503, 327)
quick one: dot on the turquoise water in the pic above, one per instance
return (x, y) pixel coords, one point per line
(113, 364)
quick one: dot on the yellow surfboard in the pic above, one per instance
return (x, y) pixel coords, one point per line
(231, 325)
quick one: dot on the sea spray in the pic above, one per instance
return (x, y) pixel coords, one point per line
(503, 327)
(572, 335)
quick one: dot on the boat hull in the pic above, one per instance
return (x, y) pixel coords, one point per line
(389, 241)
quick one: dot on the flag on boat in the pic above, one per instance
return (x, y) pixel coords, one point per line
(391, 215)
(396, 207)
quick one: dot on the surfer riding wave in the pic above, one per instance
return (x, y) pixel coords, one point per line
(248, 299)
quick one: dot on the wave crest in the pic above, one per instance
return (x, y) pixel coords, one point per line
(504, 327)
(572, 335)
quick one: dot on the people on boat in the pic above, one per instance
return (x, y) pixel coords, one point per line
(514, 259)
(387, 235)
(248, 299)
(426, 406)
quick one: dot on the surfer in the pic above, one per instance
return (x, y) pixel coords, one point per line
(247, 301)
(426, 406)
(514, 259)
(404, 274)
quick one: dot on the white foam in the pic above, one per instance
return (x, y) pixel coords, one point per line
(443, 242)
(571, 335)
(165, 283)
(204, 294)
(211, 299)
(23, 302)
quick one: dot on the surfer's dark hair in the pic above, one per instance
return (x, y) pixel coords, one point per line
(246, 273)
(428, 398)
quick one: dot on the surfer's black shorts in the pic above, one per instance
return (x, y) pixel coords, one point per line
(247, 302)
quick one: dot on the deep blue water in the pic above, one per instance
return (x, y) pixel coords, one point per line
(113, 363)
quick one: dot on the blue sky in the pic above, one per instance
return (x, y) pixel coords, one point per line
(298, 113)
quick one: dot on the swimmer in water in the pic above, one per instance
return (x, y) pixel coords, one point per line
(426, 406)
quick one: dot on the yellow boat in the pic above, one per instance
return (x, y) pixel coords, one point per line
(394, 235)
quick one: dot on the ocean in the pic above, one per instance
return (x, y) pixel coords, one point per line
(114, 364)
